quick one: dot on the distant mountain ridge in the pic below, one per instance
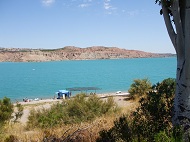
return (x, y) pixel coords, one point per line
(72, 53)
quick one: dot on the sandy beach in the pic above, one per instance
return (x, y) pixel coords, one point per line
(46, 103)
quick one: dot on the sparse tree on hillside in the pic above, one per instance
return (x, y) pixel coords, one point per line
(176, 14)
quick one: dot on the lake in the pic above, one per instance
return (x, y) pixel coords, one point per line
(42, 79)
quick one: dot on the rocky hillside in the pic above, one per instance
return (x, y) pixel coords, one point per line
(71, 53)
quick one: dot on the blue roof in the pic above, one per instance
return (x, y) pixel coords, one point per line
(63, 91)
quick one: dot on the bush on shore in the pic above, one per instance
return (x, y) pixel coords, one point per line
(6, 110)
(151, 121)
(139, 88)
(75, 110)
(7, 114)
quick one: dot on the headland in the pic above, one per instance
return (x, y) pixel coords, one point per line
(73, 53)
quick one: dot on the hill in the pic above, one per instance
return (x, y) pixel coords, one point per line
(72, 53)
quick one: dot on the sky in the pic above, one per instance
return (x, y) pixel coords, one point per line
(51, 24)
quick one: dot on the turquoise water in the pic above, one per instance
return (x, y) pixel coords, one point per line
(43, 79)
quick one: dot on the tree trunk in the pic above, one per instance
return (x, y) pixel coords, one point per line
(180, 38)
(180, 99)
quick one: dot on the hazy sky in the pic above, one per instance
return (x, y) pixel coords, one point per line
(130, 24)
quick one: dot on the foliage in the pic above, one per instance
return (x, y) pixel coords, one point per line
(11, 138)
(6, 110)
(176, 136)
(6, 114)
(139, 88)
(120, 132)
(155, 111)
(163, 137)
(75, 110)
(151, 121)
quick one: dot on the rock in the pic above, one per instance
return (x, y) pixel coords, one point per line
(72, 53)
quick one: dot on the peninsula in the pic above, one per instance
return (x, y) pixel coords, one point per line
(72, 53)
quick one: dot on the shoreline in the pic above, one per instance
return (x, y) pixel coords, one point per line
(54, 98)
(174, 56)
(46, 104)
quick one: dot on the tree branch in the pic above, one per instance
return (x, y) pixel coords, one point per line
(168, 24)
(187, 40)
(176, 11)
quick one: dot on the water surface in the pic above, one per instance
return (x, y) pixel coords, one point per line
(43, 79)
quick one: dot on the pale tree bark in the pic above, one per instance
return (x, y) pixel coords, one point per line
(179, 33)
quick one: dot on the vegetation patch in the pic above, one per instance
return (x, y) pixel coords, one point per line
(151, 121)
(90, 118)
(76, 110)
(139, 88)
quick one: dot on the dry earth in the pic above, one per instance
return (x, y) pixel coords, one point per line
(72, 53)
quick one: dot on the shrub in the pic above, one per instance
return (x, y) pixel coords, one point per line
(175, 136)
(162, 137)
(139, 88)
(75, 110)
(151, 121)
(11, 138)
(6, 114)
(155, 111)
(120, 132)
(6, 110)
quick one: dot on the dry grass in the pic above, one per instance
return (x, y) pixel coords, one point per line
(133, 104)
(86, 132)
(77, 132)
